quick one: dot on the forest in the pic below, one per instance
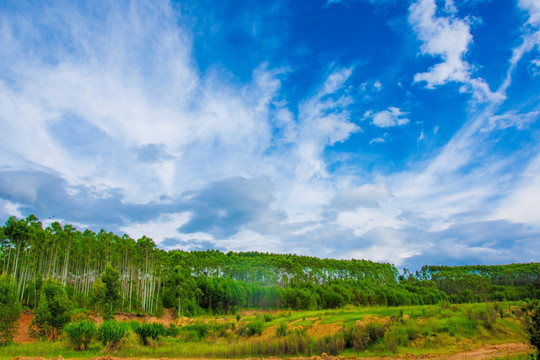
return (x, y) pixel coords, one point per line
(214, 282)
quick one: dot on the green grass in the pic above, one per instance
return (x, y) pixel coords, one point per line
(48, 350)
(417, 330)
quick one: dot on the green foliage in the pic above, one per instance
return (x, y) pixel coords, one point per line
(173, 330)
(413, 330)
(53, 311)
(255, 328)
(147, 331)
(281, 330)
(10, 309)
(139, 277)
(112, 334)
(534, 326)
(112, 300)
(197, 331)
(360, 336)
(80, 333)
(97, 297)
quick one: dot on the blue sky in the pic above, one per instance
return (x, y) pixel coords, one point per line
(404, 132)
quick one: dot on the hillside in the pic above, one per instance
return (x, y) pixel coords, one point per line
(477, 331)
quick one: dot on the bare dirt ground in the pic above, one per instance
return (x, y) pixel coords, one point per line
(22, 332)
(166, 319)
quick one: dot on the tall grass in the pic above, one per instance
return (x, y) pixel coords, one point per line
(81, 333)
(113, 334)
(436, 328)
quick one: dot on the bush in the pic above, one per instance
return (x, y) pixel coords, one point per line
(413, 331)
(281, 330)
(52, 313)
(375, 331)
(534, 326)
(149, 331)
(360, 336)
(255, 327)
(197, 331)
(173, 330)
(357, 338)
(112, 334)
(10, 309)
(80, 333)
(332, 345)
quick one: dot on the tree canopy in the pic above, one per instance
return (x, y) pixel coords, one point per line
(110, 272)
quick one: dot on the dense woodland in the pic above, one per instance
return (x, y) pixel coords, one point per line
(215, 282)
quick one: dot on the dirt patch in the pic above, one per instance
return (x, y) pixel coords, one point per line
(166, 319)
(22, 335)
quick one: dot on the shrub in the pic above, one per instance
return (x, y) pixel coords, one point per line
(395, 338)
(332, 345)
(173, 330)
(53, 311)
(281, 330)
(80, 333)
(112, 334)
(534, 327)
(413, 331)
(197, 331)
(255, 327)
(149, 331)
(375, 331)
(357, 338)
(10, 309)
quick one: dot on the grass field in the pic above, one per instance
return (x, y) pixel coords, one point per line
(361, 332)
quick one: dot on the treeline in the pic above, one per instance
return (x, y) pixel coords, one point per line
(476, 283)
(213, 281)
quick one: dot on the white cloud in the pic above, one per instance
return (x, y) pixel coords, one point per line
(377, 140)
(128, 100)
(521, 204)
(323, 120)
(386, 245)
(367, 195)
(363, 219)
(449, 38)
(535, 67)
(165, 226)
(533, 8)
(511, 119)
(391, 117)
